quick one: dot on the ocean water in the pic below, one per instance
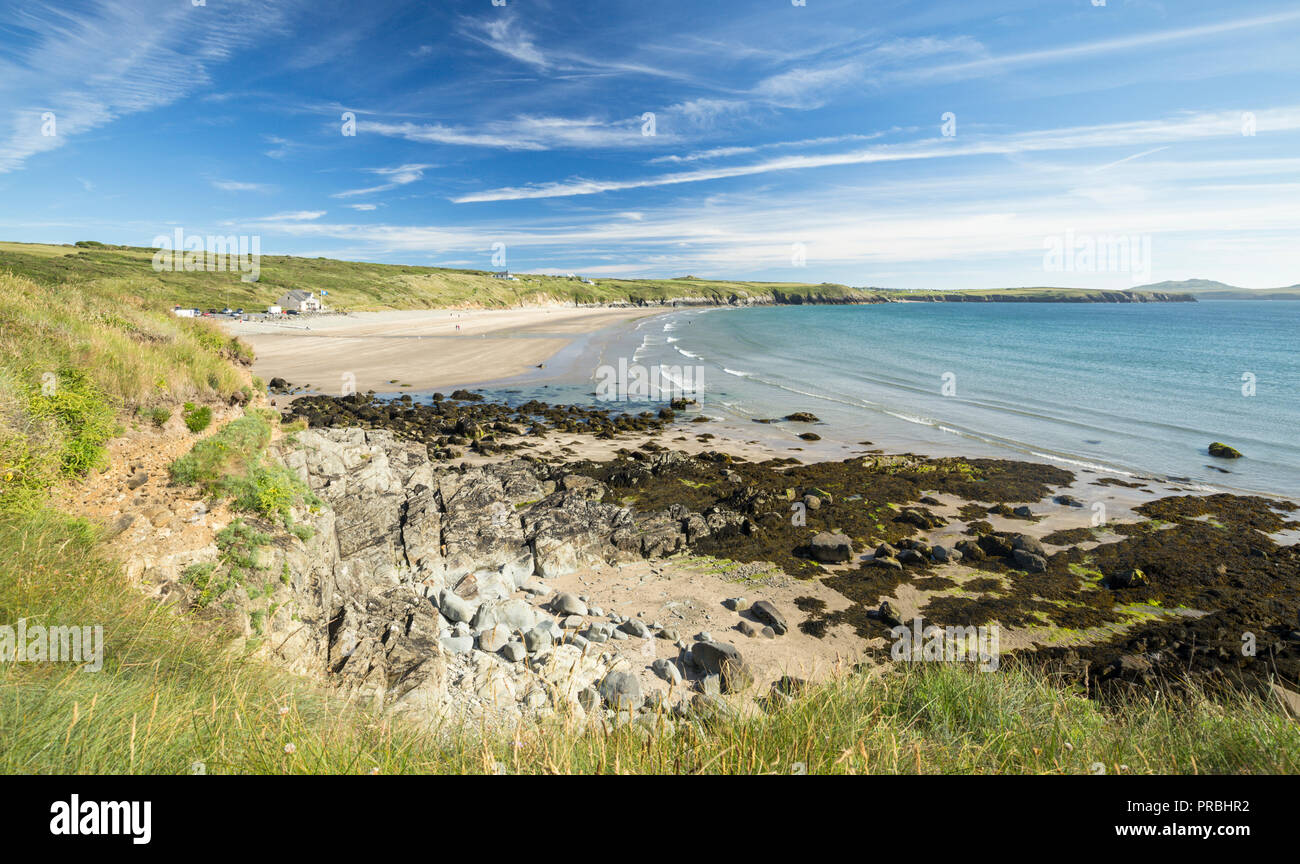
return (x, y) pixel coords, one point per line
(1137, 389)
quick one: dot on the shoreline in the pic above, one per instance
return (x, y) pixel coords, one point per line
(549, 353)
(1054, 558)
(415, 351)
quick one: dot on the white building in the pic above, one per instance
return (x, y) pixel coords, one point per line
(301, 301)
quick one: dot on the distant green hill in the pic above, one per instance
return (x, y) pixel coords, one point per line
(356, 286)
(1208, 289)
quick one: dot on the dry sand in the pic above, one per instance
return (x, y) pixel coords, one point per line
(420, 349)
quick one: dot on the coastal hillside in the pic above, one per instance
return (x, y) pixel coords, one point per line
(1208, 289)
(360, 286)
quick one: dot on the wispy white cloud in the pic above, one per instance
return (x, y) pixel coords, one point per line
(76, 65)
(726, 152)
(292, 216)
(1181, 128)
(524, 132)
(238, 186)
(400, 175)
(997, 63)
(507, 36)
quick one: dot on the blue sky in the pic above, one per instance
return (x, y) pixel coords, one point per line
(790, 142)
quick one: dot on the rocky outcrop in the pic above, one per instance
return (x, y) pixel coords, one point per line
(419, 587)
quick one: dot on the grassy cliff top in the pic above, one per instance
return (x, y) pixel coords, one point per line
(356, 286)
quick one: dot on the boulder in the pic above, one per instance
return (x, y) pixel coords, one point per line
(831, 548)
(635, 627)
(722, 659)
(454, 608)
(666, 670)
(1133, 578)
(621, 691)
(494, 638)
(764, 611)
(1029, 544)
(1223, 451)
(1028, 561)
(537, 639)
(566, 603)
(887, 615)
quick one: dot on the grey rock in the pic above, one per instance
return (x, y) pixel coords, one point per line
(767, 613)
(537, 639)
(515, 614)
(1028, 561)
(565, 603)
(454, 608)
(514, 651)
(494, 638)
(458, 644)
(666, 670)
(1030, 544)
(633, 627)
(831, 548)
(723, 659)
(621, 691)
(589, 699)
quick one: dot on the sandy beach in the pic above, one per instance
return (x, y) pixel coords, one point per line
(421, 349)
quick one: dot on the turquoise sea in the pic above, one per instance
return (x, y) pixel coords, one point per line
(1126, 388)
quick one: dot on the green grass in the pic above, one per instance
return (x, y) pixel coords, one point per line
(173, 699)
(231, 464)
(197, 417)
(74, 360)
(128, 271)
